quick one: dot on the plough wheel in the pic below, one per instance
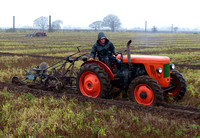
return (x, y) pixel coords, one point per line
(53, 84)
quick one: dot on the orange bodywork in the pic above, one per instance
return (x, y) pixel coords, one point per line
(151, 63)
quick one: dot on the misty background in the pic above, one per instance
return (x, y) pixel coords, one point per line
(157, 15)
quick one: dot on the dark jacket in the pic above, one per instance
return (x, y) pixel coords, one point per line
(102, 51)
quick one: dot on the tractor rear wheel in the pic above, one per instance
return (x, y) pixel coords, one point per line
(178, 80)
(93, 81)
(146, 91)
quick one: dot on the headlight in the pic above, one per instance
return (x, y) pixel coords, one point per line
(172, 66)
(159, 70)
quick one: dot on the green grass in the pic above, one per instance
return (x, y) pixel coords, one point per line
(24, 115)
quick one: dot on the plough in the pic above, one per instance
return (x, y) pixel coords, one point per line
(56, 77)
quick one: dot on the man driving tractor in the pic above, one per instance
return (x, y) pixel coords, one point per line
(105, 51)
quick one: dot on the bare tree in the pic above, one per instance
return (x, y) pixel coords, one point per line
(112, 21)
(41, 22)
(56, 24)
(97, 25)
(175, 29)
(154, 29)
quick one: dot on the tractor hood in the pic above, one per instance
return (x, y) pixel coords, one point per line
(145, 59)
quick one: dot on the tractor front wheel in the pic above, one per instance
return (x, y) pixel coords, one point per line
(180, 89)
(146, 91)
(93, 81)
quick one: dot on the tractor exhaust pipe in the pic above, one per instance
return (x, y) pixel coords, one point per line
(129, 52)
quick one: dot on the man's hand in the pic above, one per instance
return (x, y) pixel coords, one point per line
(91, 59)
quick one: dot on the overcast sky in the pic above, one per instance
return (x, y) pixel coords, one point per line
(81, 13)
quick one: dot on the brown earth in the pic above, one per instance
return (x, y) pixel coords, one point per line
(164, 110)
(54, 57)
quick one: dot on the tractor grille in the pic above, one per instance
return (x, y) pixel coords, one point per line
(152, 70)
(166, 69)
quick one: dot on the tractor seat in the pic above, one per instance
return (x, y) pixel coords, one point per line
(43, 66)
(36, 69)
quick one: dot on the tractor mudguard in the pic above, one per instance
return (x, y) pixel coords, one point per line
(101, 64)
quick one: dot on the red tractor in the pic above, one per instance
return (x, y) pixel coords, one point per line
(37, 34)
(146, 79)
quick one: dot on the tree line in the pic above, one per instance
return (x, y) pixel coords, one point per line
(42, 23)
(111, 21)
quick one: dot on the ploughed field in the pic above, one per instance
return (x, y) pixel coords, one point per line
(32, 112)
